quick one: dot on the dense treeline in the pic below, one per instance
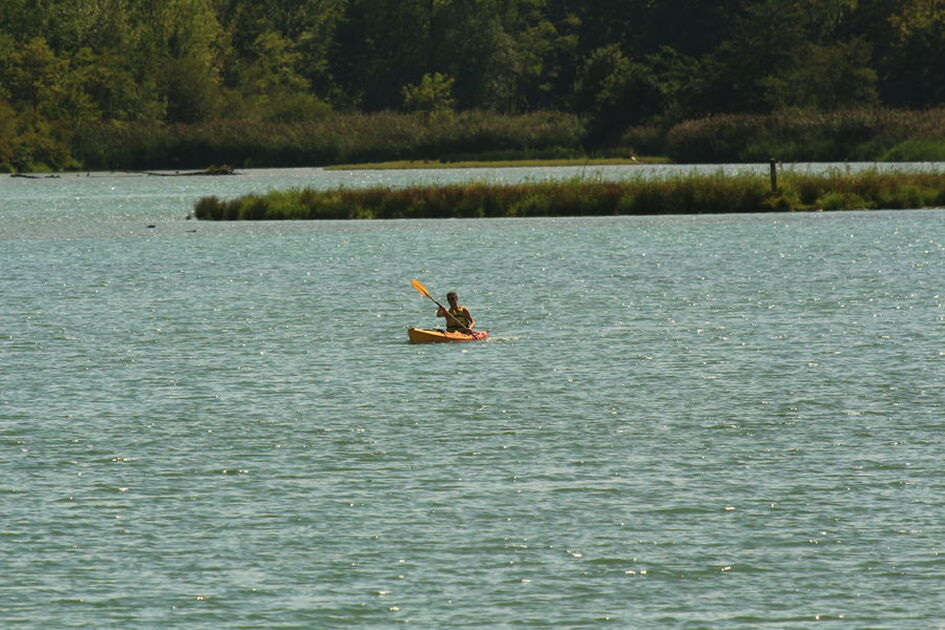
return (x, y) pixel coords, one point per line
(71, 70)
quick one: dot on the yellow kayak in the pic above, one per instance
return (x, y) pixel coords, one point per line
(421, 335)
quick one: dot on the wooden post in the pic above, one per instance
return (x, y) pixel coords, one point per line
(774, 175)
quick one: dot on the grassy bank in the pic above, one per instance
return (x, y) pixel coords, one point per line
(689, 194)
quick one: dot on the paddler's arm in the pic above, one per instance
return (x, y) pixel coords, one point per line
(469, 318)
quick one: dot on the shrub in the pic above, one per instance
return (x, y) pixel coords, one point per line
(916, 150)
(841, 201)
(801, 135)
(208, 208)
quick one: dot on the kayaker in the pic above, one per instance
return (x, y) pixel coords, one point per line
(458, 318)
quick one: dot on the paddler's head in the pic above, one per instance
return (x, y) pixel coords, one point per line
(451, 298)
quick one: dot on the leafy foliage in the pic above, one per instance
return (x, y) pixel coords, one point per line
(70, 65)
(432, 94)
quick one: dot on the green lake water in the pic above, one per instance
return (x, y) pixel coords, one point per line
(729, 421)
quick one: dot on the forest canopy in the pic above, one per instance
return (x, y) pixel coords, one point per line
(73, 65)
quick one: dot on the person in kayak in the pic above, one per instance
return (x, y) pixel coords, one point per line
(458, 318)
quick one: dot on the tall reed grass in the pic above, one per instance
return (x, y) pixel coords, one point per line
(688, 194)
(334, 139)
(339, 138)
(801, 136)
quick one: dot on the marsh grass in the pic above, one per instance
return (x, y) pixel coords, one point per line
(802, 136)
(867, 190)
(686, 194)
(476, 136)
(332, 139)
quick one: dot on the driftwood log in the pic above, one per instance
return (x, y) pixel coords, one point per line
(213, 170)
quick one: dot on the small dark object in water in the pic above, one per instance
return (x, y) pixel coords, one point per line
(151, 226)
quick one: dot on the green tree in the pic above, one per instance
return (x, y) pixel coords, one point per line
(69, 25)
(381, 46)
(546, 49)
(765, 40)
(309, 26)
(274, 68)
(915, 66)
(788, 54)
(272, 85)
(825, 20)
(111, 81)
(34, 73)
(179, 45)
(7, 135)
(825, 77)
(20, 19)
(506, 55)
(616, 92)
(433, 94)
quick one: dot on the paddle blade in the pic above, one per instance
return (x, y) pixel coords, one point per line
(422, 289)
